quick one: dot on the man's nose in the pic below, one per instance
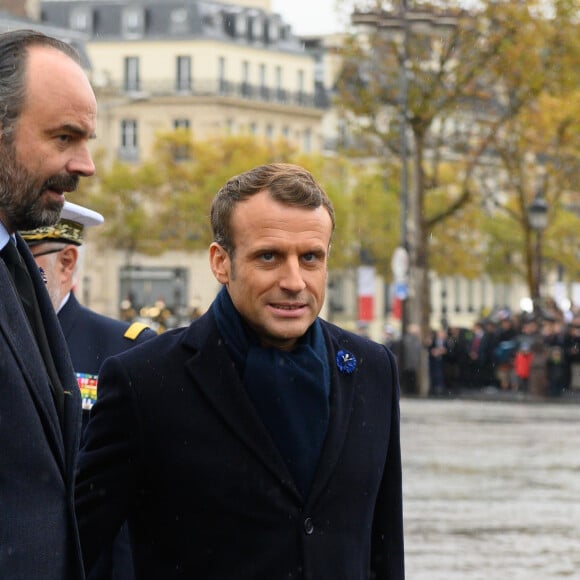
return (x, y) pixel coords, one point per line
(81, 163)
(292, 276)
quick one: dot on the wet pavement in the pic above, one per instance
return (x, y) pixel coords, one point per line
(491, 489)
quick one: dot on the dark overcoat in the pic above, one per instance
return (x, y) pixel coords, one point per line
(38, 532)
(91, 338)
(175, 445)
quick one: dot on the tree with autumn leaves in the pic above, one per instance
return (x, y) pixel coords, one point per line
(486, 91)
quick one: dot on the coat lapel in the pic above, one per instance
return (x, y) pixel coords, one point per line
(25, 351)
(67, 315)
(214, 374)
(342, 390)
(69, 431)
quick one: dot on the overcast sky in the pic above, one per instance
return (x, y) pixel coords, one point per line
(309, 16)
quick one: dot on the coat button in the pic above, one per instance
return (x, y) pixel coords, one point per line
(308, 526)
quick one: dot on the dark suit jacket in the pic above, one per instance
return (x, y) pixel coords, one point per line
(38, 532)
(175, 444)
(91, 338)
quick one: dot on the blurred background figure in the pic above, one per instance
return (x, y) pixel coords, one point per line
(437, 352)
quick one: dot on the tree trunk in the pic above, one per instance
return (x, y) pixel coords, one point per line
(419, 307)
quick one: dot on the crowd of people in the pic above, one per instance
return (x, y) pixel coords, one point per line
(536, 353)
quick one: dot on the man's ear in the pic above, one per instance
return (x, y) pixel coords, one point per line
(219, 262)
(68, 258)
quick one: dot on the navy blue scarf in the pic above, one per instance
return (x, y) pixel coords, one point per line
(290, 390)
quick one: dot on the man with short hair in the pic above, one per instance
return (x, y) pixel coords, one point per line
(47, 117)
(261, 442)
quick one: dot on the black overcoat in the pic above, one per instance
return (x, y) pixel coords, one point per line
(38, 533)
(175, 445)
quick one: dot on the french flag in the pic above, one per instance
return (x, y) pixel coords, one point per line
(366, 292)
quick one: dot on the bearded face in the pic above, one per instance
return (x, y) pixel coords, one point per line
(22, 203)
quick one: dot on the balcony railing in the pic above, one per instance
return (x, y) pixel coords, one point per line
(221, 88)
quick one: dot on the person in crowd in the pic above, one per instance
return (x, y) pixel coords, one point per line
(90, 337)
(476, 356)
(389, 338)
(522, 366)
(456, 359)
(531, 338)
(504, 352)
(480, 369)
(437, 352)
(558, 367)
(489, 344)
(47, 116)
(572, 353)
(260, 442)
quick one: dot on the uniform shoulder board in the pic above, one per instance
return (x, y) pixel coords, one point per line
(135, 330)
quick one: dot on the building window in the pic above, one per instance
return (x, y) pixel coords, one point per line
(181, 124)
(223, 83)
(269, 132)
(280, 93)
(179, 21)
(253, 128)
(307, 146)
(246, 90)
(272, 29)
(181, 150)
(300, 87)
(129, 139)
(134, 22)
(183, 81)
(256, 27)
(235, 24)
(132, 81)
(458, 296)
(470, 297)
(319, 69)
(81, 19)
(264, 92)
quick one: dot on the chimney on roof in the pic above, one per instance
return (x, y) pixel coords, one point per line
(22, 8)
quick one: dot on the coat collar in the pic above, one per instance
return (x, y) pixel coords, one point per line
(67, 315)
(214, 374)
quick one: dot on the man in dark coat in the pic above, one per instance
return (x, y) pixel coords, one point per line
(90, 337)
(47, 116)
(261, 442)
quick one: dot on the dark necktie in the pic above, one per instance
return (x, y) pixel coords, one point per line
(25, 290)
(22, 281)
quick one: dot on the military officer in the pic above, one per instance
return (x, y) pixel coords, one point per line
(91, 337)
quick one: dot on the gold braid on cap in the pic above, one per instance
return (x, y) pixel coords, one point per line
(64, 231)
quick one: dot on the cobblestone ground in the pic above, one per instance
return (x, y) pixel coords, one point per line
(492, 490)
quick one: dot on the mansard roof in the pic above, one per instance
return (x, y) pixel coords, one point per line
(76, 38)
(110, 20)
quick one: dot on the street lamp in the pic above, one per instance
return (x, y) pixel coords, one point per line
(538, 220)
